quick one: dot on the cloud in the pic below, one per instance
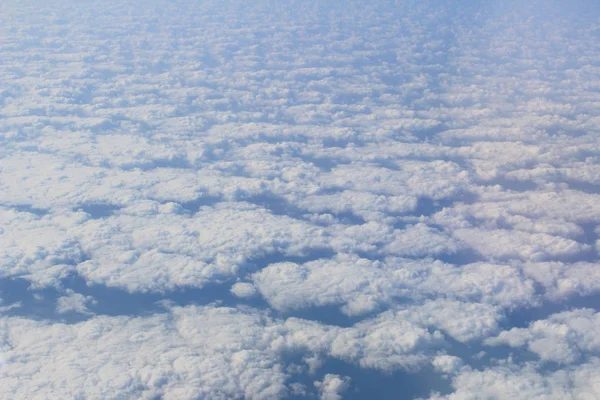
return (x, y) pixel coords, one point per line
(562, 280)
(386, 342)
(332, 387)
(365, 205)
(429, 172)
(437, 179)
(73, 302)
(360, 285)
(166, 248)
(216, 352)
(505, 244)
(9, 307)
(243, 289)
(447, 364)
(34, 245)
(563, 337)
(524, 382)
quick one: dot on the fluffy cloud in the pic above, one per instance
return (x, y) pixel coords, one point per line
(524, 382)
(243, 289)
(447, 364)
(215, 352)
(192, 351)
(505, 244)
(34, 245)
(360, 285)
(332, 387)
(563, 337)
(73, 302)
(437, 179)
(562, 281)
(155, 247)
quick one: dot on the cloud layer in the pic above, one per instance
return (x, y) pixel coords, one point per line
(307, 190)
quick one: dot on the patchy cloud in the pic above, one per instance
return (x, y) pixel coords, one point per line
(332, 387)
(73, 302)
(259, 200)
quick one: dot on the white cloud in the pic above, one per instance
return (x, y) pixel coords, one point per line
(187, 353)
(563, 337)
(35, 245)
(362, 204)
(163, 249)
(193, 351)
(437, 179)
(462, 321)
(359, 285)
(74, 302)
(505, 244)
(9, 307)
(562, 280)
(447, 364)
(332, 387)
(509, 380)
(421, 240)
(243, 289)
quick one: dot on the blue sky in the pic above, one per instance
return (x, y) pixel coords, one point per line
(299, 199)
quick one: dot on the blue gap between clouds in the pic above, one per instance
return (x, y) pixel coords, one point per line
(40, 212)
(99, 210)
(372, 383)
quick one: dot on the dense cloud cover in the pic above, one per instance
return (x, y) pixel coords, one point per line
(303, 199)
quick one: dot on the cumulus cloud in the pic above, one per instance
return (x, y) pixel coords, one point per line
(150, 247)
(332, 387)
(562, 281)
(243, 289)
(525, 382)
(360, 285)
(563, 337)
(216, 349)
(217, 352)
(505, 244)
(74, 302)
(447, 364)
